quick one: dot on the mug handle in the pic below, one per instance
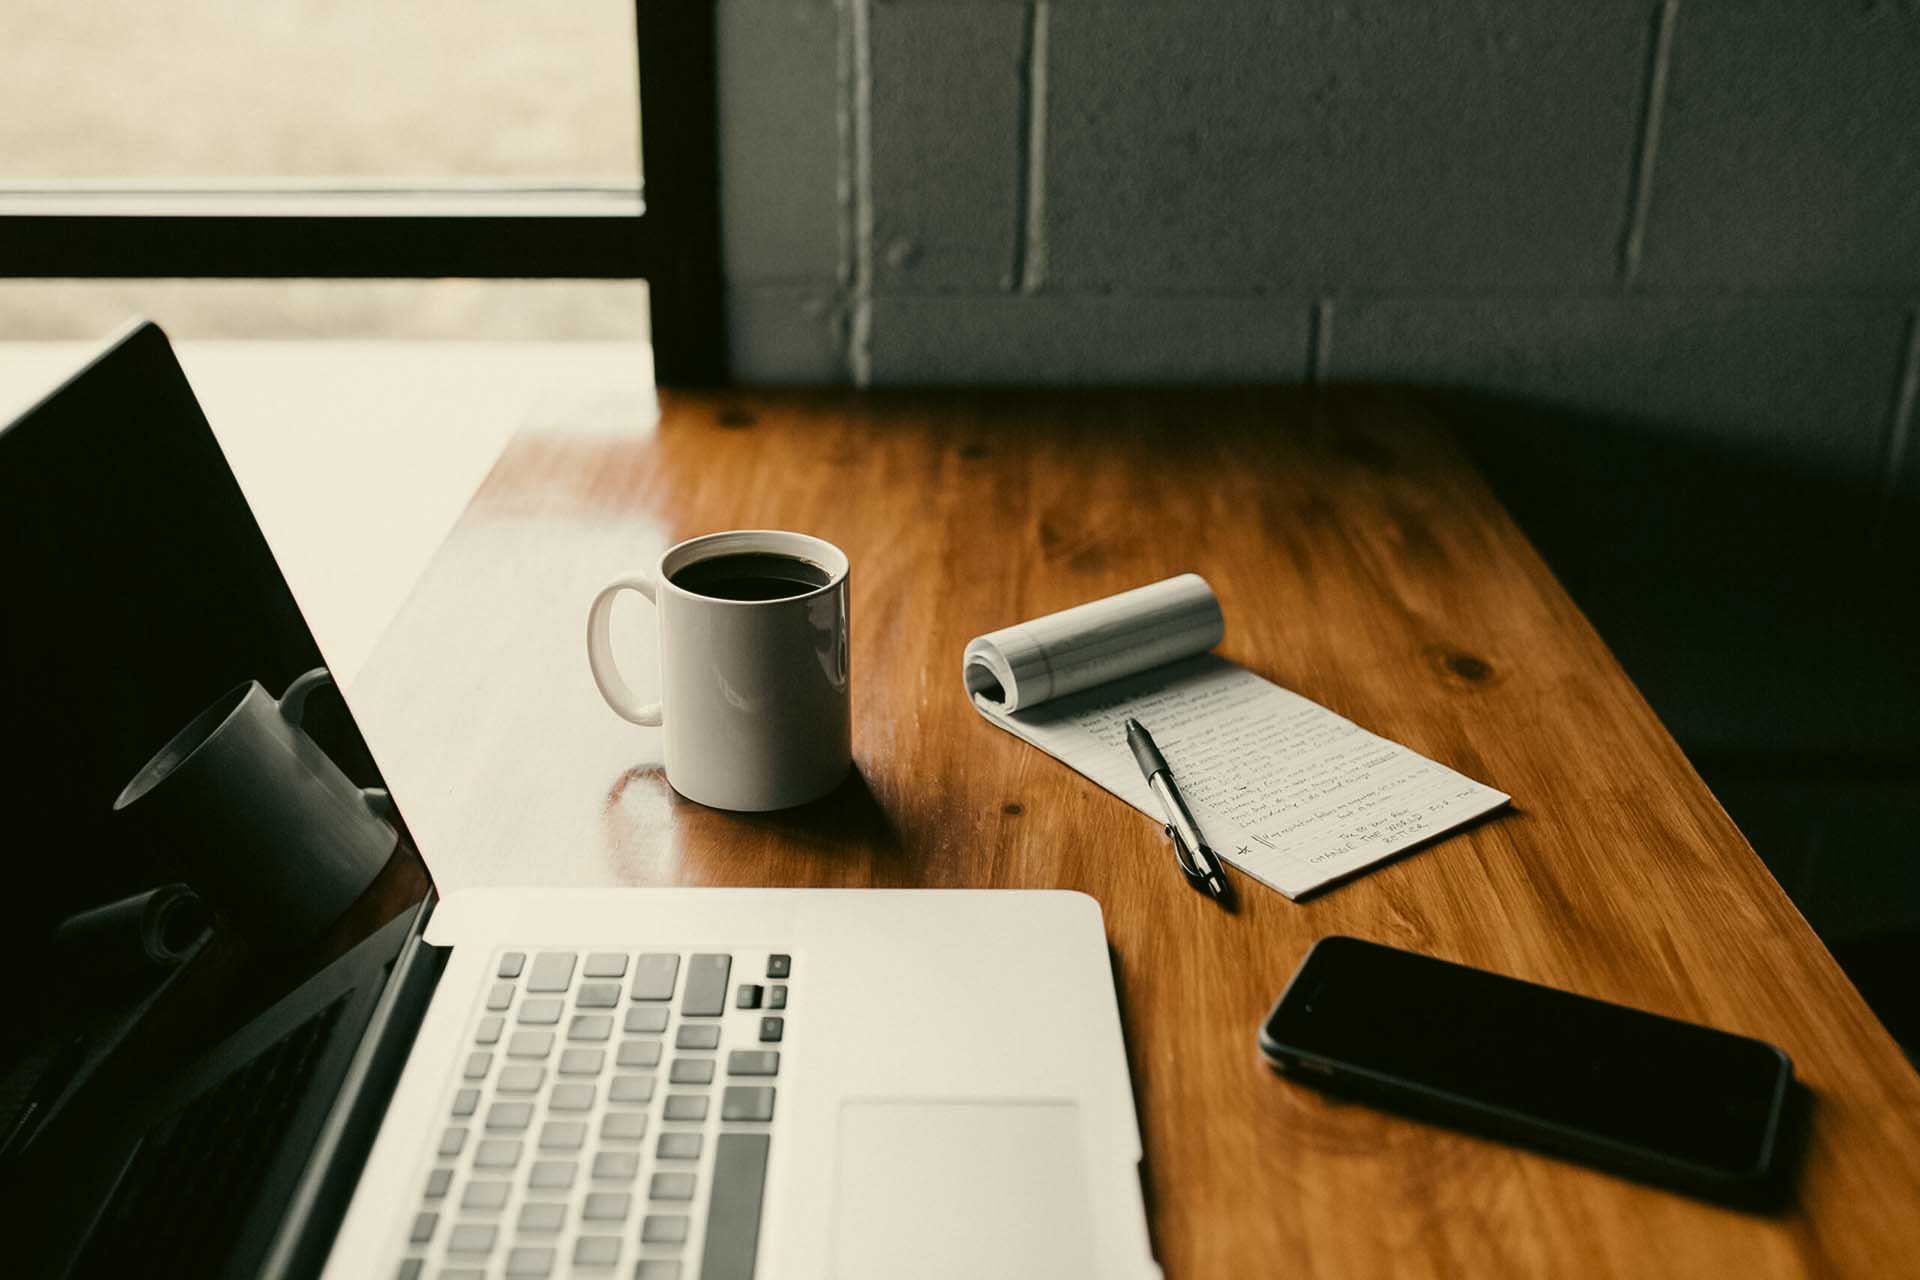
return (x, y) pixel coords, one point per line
(293, 709)
(293, 703)
(600, 659)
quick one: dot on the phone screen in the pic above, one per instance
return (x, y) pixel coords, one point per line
(1400, 1021)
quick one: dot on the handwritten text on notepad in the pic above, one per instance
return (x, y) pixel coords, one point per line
(1283, 788)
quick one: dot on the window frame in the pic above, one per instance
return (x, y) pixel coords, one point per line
(671, 240)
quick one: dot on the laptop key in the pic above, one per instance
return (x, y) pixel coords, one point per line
(519, 1078)
(582, 1062)
(748, 996)
(497, 1153)
(663, 1228)
(687, 1106)
(706, 994)
(606, 964)
(542, 1215)
(511, 963)
(467, 1100)
(616, 1166)
(552, 971)
(679, 1145)
(670, 1186)
(733, 1206)
(607, 1206)
(753, 1062)
(541, 1011)
(499, 996)
(697, 1035)
(746, 1102)
(571, 1097)
(479, 1063)
(529, 1262)
(590, 1026)
(453, 1141)
(552, 1175)
(472, 1237)
(562, 1135)
(776, 997)
(489, 1029)
(657, 1269)
(509, 1117)
(691, 1071)
(772, 1030)
(654, 976)
(530, 1044)
(486, 1195)
(645, 1020)
(639, 1053)
(779, 966)
(437, 1183)
(623, 1126)
(630, 1089)
(597, 995)
(410, 1269)
(596, 1251)
(423, 1226)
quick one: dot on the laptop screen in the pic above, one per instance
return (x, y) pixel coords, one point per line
(176, 754)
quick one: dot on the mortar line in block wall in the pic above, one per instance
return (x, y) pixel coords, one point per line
(1029, 241)
(1319, 340)
(1900, 425)
(860, 325)
(1652, 106)
(843, 179)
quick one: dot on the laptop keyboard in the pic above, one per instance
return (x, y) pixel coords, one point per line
(611, 1115)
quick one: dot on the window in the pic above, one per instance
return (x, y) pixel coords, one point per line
(336, 139)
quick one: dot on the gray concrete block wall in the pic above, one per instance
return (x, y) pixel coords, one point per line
(1374, 143)
(1806, 383)
(1050, 340)
(1688, 215)
(947, 93)
(786, 186)
(1789, 150)
(782, 193)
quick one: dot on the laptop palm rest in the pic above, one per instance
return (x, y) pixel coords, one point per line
(961, 1188)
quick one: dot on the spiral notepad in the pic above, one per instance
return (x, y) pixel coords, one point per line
(1284, 789)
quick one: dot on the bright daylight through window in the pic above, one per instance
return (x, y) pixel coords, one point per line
(521, 94)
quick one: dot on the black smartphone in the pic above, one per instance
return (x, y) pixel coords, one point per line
(1651, 1097)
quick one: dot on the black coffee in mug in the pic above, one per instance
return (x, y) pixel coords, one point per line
(751, 575)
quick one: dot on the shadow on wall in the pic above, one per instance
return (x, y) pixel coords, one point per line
(1759, 604)
(1768, 613)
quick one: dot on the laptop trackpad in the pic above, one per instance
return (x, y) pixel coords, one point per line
(961, 1188)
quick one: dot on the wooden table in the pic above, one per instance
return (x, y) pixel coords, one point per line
(1361, 561)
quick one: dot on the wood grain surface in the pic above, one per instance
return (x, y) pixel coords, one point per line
(1360, 561)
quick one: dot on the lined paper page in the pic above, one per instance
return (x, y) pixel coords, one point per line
(1283, 788)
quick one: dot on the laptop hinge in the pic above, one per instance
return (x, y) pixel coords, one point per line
(319, 1199)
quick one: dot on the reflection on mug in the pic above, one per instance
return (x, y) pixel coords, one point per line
(261, 821)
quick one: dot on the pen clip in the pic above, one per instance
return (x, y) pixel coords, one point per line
(1184, 856)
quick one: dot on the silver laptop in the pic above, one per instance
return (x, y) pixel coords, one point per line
(658, 1083)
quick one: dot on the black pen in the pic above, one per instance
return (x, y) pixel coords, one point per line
(1198, 863)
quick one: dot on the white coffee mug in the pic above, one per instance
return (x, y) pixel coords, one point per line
(753, 693)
